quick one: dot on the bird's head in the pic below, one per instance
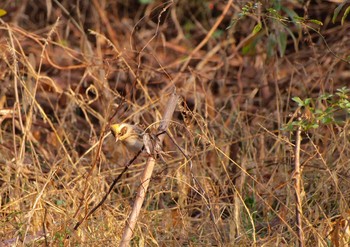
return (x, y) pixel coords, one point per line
(121, 131)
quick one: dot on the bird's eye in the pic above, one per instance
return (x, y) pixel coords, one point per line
(123, 131)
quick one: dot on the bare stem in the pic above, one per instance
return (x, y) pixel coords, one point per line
(297, 187)
(147, 173)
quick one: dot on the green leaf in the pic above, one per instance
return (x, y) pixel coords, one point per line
(250, 201)
(233, 22)
(282, 43)
(145, 1)
(327, 120)
(313, 126)
(250, 47)
(2, 12)
(341, 92)
(188, 27)
(320, 23)
(60, 202)
(318, 112)
(292, 14)
(329, 110)
(271, 45)
(257, 28)
(337, 10)
(247, 48)
(274, 13)
(217, 33)
(345, 15)
(307, 101)
(288, 127)
(298, 100)
(299, 19)
(295, 41)
(277, 5)
(325, 96)
(298, 123)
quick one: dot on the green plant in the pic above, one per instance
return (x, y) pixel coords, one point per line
(275, 23)
(337, 11)
(325, 109)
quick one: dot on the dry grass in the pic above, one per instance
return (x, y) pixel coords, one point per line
(65, 80)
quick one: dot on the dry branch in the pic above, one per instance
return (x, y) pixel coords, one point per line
(297, 188)
(147, 173)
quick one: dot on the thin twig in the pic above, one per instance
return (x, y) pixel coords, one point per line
(115, 181)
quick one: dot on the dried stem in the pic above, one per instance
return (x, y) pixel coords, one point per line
(147, 173)
(298, 189)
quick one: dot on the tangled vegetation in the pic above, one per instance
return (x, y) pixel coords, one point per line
(256, 153)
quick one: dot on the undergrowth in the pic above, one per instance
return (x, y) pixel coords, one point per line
(250, 75)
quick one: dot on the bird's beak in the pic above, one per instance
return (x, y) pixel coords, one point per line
(113, 131)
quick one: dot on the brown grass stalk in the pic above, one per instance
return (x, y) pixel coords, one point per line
(147, 173)
(298, 188)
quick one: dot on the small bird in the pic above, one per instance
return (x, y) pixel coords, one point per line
(130, 135)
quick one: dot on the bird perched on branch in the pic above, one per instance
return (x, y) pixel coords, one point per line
(130, 135)
(134, 138)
